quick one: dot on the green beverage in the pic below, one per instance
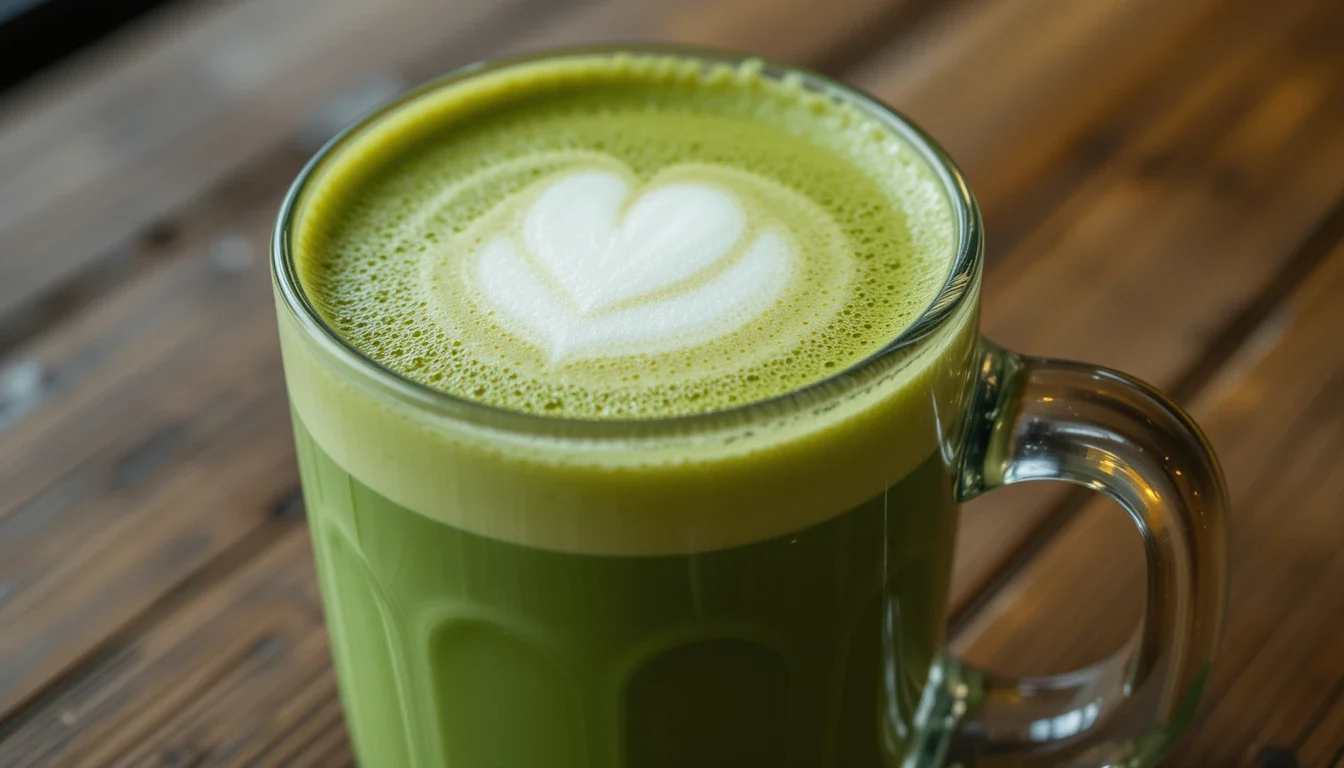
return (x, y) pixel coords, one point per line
(602, 464)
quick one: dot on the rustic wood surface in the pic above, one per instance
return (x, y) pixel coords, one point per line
(1179, 165)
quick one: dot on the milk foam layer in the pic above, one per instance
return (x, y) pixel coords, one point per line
(588, 276)
(634, 237)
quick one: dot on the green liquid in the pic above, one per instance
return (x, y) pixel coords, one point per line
(764, 591)
(808, 650)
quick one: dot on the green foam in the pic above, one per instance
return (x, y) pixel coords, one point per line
(872, 243)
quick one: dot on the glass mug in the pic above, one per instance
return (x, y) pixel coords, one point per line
(648, 594)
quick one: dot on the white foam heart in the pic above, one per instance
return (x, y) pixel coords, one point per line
(608, 282)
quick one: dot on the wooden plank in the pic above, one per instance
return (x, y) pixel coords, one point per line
(1277, 421)
(168, 445)
(960, 75)
(1214, 179)
(149, 433)
(96, 154)
(239, 675)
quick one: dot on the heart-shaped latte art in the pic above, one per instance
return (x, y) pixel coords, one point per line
(586, 275)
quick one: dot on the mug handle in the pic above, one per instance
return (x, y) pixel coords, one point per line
(1036, 419)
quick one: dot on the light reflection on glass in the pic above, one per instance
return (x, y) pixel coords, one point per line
(1063, 726)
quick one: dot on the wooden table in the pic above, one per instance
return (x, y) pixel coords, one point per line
(1163, 186)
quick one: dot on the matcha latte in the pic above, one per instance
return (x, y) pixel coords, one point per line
(608, 460)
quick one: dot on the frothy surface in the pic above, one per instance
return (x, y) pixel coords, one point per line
(623, 237)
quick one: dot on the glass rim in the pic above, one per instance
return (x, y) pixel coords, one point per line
(944, 305)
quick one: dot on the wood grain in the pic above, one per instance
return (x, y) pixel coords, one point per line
(1029, 95)
(239, 675)
(152, 436)
(1277, 421)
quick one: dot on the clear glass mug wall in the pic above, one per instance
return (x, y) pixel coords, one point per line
(734, 626)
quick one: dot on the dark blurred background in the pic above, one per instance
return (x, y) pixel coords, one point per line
(38, 33)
